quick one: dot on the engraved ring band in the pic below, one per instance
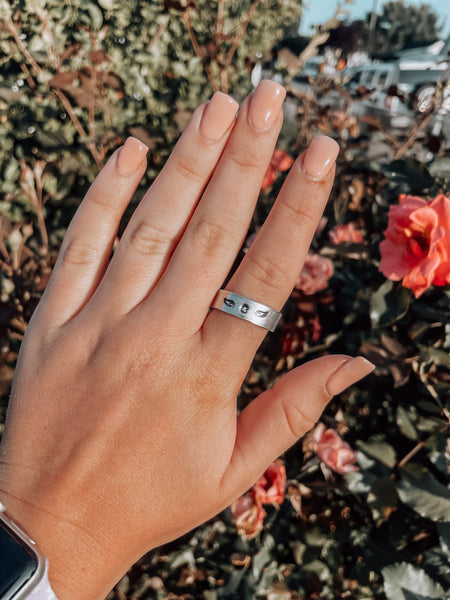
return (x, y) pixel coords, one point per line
(246, 309)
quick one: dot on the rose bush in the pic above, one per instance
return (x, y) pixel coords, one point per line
(416, 248)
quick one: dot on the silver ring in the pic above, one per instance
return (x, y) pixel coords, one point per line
(246, 309)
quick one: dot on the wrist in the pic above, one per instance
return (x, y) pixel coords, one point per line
(75, 569)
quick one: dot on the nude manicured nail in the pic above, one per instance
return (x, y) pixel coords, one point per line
(349, 372)
(265, 104)
(131, 156)
(218, 116)
(320, 156)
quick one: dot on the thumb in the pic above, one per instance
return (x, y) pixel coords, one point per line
(281, 415)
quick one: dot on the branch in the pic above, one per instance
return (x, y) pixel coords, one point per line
(219, 24)
(58, 93)
(240, 34)
(198, 50)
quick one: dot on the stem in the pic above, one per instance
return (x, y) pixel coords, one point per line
(240, 33)
(219, 24)
(198, 50)
(414, 132)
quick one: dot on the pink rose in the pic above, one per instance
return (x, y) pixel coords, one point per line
(416, 247)
(248, 516)
(315, 274)
(270, 487)
(334, 452)
(345, 233)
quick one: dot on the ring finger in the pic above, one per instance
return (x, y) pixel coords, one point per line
(270, 268)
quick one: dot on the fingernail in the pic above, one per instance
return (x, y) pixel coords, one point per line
(131, 156)
(349, 371)
(218, 116)
(265, 104)
(320, 157)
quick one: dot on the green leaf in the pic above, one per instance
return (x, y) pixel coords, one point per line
(381, 451)
(410, 171)
(419, 490)
(402, 581)
(389, 303)
(382, 499)
(405, 424)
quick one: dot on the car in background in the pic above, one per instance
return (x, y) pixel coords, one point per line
(395, 94)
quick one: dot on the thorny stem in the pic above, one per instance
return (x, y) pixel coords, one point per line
(96, 154)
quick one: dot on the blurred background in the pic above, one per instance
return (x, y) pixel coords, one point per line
(360, 507)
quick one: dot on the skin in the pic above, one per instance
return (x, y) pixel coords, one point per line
(122, 431)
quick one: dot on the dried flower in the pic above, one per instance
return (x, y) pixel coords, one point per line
(345, 233)
(416, 248)
(280, 161)
(334, 452)
(248, 516)
(315, 274)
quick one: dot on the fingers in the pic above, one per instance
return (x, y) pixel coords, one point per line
(270, 268)
(216, 230)
(159, 221)
(88, 241)
(277, 418)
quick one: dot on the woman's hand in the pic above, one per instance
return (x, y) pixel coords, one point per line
(122, 431)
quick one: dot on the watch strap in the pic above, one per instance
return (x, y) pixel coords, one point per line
(43, 590)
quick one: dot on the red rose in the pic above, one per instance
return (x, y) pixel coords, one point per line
(416, 248)
(270, 487)
(280, 161)
(315, 274)
(334, 452)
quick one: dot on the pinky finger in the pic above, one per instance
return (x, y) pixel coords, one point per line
(88, 242)
(280, 416)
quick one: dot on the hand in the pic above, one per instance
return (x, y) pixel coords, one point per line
(122, 430)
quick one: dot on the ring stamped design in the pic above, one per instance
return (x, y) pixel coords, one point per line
(246, 309)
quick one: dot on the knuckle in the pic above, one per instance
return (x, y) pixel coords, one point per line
(264, 270)
(210, 237)
(186, 168)
(245, 162)
(297, 211)
(149, 240)
(80, 253)
(296, 420)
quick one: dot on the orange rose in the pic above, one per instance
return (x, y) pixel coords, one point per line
(345, 233)
(269, 488)
(315, 274)
(334, 452)
(416, 248)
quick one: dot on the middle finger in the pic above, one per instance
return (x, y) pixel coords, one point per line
(215, 233)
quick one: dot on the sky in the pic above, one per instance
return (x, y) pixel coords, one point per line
(318, 11)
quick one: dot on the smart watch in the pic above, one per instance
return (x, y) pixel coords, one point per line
(23, 568)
